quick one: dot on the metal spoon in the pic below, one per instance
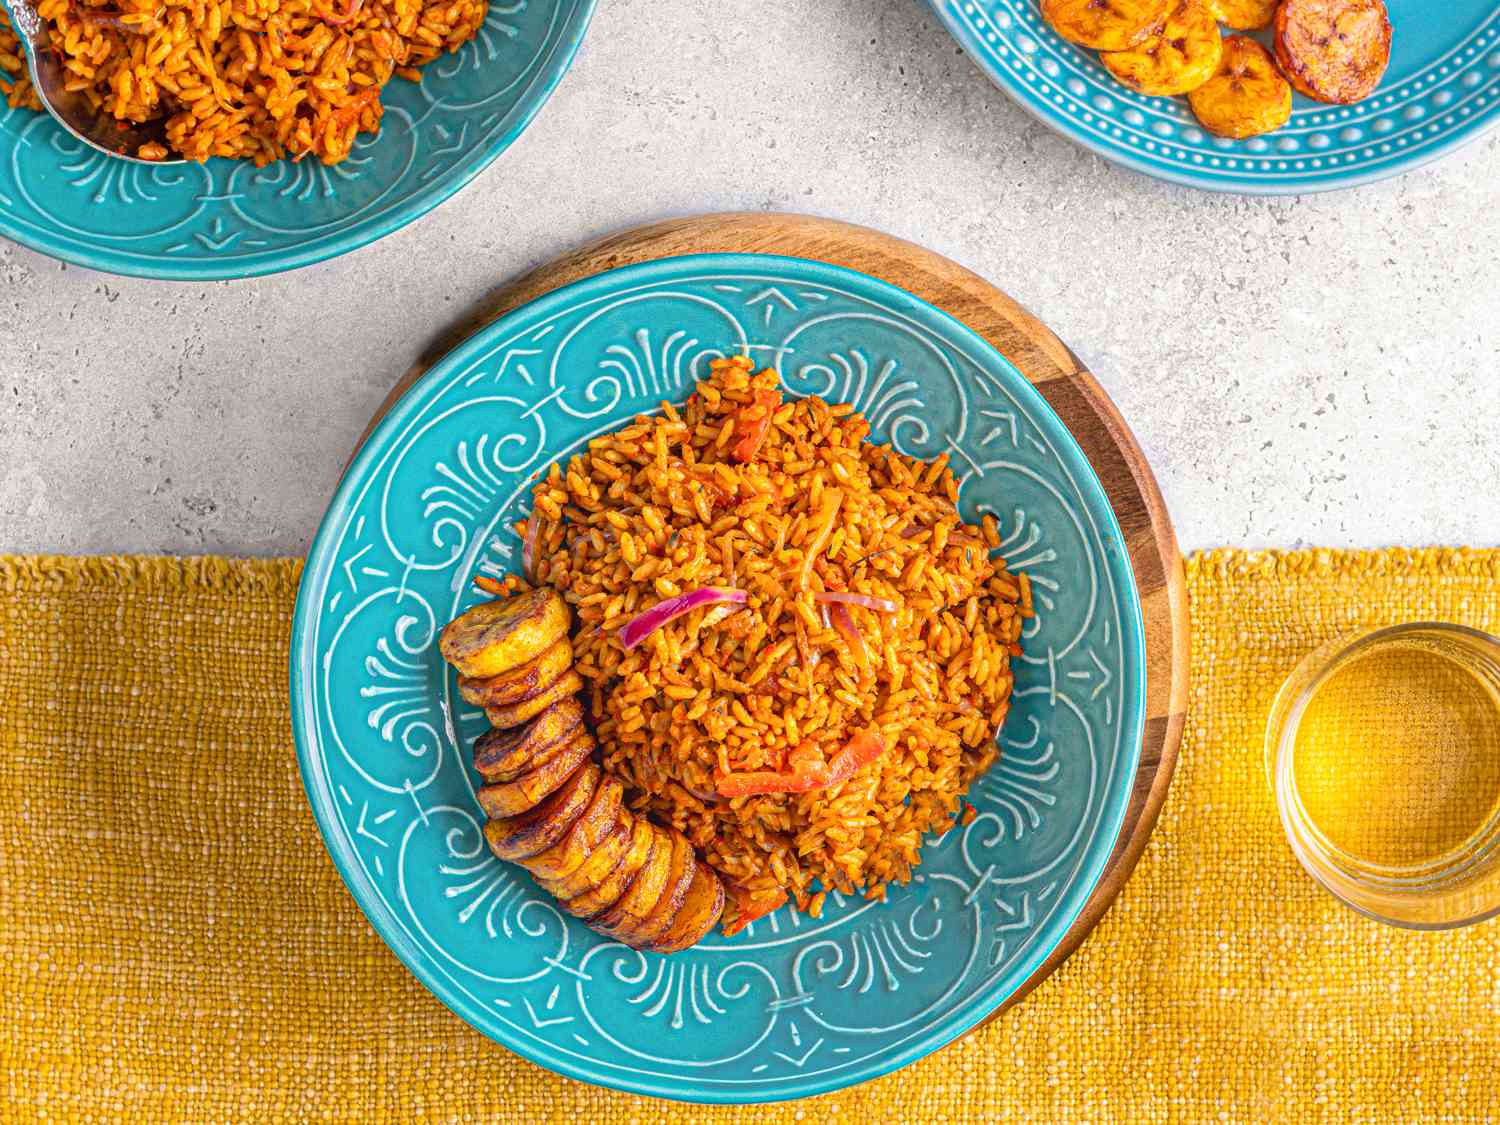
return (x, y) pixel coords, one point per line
(121, 139)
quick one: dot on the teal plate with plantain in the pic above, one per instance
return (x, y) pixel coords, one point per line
(790, 1006)
(1442, 90)
(229, 219)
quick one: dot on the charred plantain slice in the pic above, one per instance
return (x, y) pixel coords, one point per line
(1180, 57)
(588, 832)
(601, 861)
(542, 759)
(540, 828)
(1247, 96)
(502, 755)
(495, 637)
(1334, 51)
(645, 890)
(607, 891)
(699, 913)
(545, 757)
(641, 923)
(1105, 25)
(631, 908)
(1243, 15)
(514, 714)
(518, 683)
(511, 798)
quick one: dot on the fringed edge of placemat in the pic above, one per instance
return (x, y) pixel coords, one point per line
(1389, 562)
(70, 572)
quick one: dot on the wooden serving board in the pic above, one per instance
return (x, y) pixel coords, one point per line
(1055, 371)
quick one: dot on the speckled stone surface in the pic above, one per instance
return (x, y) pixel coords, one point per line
(1321, 371)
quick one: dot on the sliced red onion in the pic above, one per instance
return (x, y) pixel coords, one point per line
(638, 628)
(838, 597)
(528, 547)
(113, 21)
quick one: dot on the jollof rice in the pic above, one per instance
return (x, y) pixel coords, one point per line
(660, 507)
(253, 79)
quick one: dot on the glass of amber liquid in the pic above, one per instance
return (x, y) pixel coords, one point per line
(1383, 751)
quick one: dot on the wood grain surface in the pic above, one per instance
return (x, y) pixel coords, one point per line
(1048, 363)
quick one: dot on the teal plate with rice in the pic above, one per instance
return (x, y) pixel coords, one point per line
(229, 219)
(791, 1006)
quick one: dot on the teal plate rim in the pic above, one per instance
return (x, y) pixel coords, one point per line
(549, 72)
(303, 671)
(1445, 105)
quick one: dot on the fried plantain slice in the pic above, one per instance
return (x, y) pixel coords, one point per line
(1243, 15)
(590, 830)
(1105, 25)
(1247, 96)
(638, 930)
(1180, 57)
(518, 683)
(540, 828)
(607, 891)
(494, 637)
(545, 758)
(503, 755)
(1334, 51)
(604, 859)
(514, 714)
(627, 914)
(510, 798)
(698, 915)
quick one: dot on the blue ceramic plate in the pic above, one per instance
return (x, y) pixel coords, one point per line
(1442, 89)
(229, 219)
(791, 1006)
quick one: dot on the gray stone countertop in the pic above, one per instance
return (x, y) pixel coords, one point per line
(1320, 370)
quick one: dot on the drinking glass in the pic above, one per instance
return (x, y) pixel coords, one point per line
(1383, 752)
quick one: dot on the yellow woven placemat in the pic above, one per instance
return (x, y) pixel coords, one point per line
(176, 945)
